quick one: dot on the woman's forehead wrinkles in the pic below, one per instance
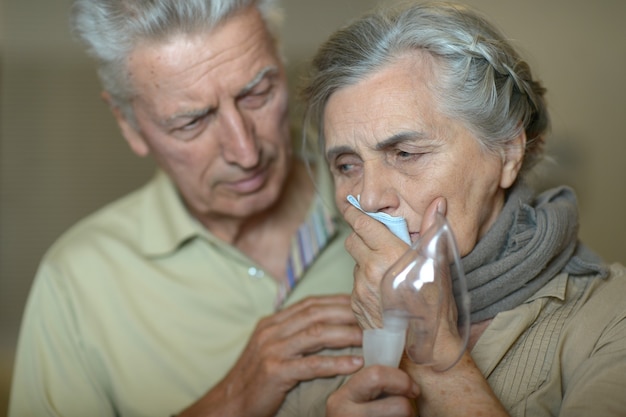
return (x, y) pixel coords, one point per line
(400, 137)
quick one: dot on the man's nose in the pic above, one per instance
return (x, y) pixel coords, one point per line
(238, 139)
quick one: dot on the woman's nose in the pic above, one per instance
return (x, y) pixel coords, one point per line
(376, 193)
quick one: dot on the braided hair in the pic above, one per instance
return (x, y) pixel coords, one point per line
(482, 80)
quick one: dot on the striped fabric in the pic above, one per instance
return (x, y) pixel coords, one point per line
(306, 245)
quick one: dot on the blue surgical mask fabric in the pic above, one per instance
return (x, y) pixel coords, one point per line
(397, 225)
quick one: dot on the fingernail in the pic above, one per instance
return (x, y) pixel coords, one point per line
(442, 206)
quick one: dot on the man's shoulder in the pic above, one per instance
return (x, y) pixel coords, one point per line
(117, 221)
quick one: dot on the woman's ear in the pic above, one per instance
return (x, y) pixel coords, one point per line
(133, 137)
(512, 159)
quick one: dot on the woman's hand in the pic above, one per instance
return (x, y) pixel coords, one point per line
(374, 249)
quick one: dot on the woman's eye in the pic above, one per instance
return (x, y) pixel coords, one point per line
(346, 165)
(344, 168)
(402, 154)
(405, 156)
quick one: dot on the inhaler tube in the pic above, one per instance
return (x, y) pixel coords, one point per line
(416, 293)
(385, 346)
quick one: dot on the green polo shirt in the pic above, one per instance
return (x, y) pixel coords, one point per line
(138, 310)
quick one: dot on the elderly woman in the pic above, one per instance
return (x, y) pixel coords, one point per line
(426, 109)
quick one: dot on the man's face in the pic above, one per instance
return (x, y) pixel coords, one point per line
(212, 109)
(387, 142)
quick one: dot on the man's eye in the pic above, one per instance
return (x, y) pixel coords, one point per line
(197, 122)
(191, 125)
(191, 129)
(256, 99)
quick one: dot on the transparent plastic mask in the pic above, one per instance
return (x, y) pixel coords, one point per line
(414, 293)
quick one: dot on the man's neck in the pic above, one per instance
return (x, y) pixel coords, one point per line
(266, 238)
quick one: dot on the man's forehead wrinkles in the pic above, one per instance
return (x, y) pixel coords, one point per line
(193, 113)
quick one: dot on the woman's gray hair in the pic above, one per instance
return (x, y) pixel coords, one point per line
(111, 29)
(482, 81)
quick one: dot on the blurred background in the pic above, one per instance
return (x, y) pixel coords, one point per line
(61, 155)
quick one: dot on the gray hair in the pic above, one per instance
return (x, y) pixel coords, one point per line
(111, 29)
(483, 82)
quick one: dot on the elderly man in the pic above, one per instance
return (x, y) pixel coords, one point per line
(210, 290)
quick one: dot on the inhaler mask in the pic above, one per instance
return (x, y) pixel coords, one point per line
(414, 299)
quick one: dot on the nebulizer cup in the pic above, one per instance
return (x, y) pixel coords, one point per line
(415, 294)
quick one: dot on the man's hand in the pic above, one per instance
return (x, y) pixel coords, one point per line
(374, 391)
(281, 353)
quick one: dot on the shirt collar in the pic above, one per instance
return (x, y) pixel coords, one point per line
(555, 288)
(165, 221)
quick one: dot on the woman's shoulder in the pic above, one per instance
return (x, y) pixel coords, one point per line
(603, 300)
(615, 280)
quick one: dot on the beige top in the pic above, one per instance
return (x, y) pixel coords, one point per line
(561, 353)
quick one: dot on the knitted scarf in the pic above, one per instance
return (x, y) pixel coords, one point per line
(532, 241)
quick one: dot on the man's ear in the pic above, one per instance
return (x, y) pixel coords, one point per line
(133, 137)
(512, 159)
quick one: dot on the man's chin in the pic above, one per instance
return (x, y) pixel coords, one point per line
(255, 204)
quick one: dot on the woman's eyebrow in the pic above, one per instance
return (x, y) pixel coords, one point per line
(333, 152)
(401, 137)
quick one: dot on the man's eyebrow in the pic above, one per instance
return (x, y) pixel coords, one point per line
(257, 79)
(197, 113)
(406, 136)
(189, 114)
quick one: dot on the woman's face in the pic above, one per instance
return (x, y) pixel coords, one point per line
(386, 141)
